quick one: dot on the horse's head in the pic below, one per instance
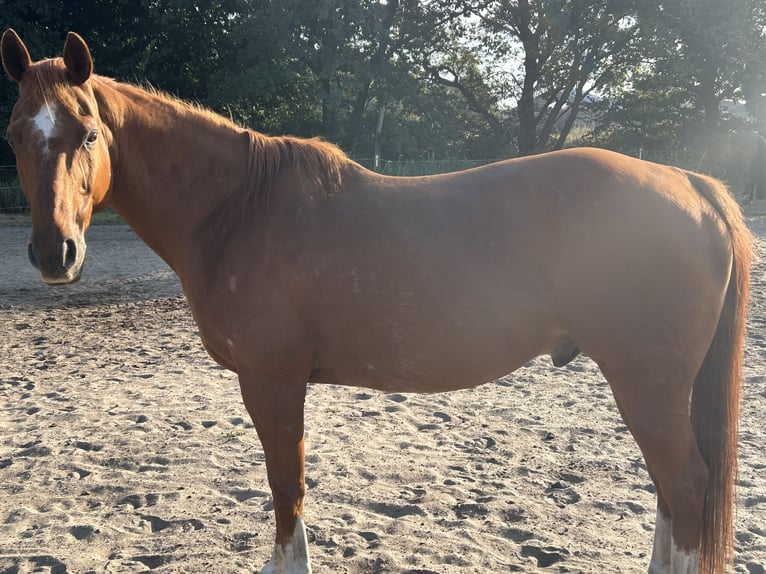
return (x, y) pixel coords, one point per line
(61, 152)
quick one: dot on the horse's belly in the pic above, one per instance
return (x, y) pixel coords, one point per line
(433, 362)
(404, 381)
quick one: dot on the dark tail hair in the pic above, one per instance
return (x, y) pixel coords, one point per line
(717, 388)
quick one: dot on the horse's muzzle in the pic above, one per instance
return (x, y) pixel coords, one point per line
(59, 262)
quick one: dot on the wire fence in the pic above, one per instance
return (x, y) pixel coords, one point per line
(683, 158)
(12, 200)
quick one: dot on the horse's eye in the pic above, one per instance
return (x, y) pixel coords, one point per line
(90, 141)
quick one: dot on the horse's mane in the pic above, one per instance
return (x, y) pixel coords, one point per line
(148, 92)
(53, 80)
(317, 163)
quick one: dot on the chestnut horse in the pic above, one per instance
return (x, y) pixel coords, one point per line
(301, 266)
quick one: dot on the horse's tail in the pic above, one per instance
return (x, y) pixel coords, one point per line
(716, 394)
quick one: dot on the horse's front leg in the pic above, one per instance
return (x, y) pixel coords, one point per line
(276, 408)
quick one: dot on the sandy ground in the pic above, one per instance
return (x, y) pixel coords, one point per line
(123, 448)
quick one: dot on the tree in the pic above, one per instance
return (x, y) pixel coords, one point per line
(697, 54)
(703, 45)
(339, 65)
(448, 78)
(540, 60)
(190, 46)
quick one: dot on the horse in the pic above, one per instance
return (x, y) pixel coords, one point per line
(739, 157)
(301, 266)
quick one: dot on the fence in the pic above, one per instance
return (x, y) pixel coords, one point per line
(421, 167)
(12, 200)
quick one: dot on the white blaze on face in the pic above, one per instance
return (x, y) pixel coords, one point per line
(44, 123)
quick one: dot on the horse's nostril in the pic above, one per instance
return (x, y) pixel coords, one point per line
(31, 255)
(70, 253)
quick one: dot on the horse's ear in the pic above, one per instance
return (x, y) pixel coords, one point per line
(16, 58)
(77, 58)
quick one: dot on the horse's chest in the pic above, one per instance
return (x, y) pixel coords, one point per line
(244, 326)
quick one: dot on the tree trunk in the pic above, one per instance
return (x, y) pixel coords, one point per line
(527, 122)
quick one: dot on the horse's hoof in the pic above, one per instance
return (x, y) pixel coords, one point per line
(292, 557)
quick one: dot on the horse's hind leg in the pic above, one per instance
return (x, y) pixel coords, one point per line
(276, 409)
(663, 536)
(657, 415)
(673, 551)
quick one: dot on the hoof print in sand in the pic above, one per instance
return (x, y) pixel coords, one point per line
(545, 556)
(562, 493)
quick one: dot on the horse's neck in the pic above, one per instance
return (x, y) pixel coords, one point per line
(170, 167)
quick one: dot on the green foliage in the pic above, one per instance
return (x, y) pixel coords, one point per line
(449, 78)
(630, 121)
(709, 42)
